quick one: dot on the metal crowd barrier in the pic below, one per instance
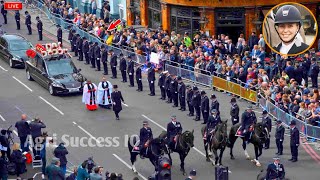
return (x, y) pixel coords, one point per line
(307, 130)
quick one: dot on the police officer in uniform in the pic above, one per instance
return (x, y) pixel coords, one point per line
(266, 121)
(79, 47)
(17, 18)
(139, 78)
(181, 94)
(74, 42)
(174, 129)
(104, 59)
(161, 84)
(97, 55)
(91, 55)
(279, 135)
(151, 79)
(28, 22)
(145, 137)
(70, 37)
(4, 12)
(213, 121)
(189, 100)
(39, 27)
(196, 102)
(174, 90)
(248, 118)
(131, 71)
(59, 34)
(214, 103)
(313, 72)
(113, 64)
(205, 107)
(167, 87)
(275, 170)
(123, 68)
(85, 50)
(234, 111)
(294, 141)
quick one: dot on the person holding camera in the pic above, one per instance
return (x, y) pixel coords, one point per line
(4, 141)
(60, 152)
(35, 128)
(23, 129)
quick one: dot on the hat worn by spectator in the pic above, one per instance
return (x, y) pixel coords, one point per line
(179, 78)
(195, 88)
(233, 100)
(203, 93)
(213, 96)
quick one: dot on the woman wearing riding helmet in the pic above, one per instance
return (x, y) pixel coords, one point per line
(287, 24)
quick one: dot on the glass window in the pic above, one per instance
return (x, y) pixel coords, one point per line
(184, 23)
(196, 13)
(18, 45)
(174, 23)
(184, 12)
(196, 25)
(40, 64)
(63, 66)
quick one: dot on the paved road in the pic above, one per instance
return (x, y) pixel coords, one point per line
(67, 116)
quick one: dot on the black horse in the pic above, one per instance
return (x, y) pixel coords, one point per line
(218, 141)
(156, 148)
(258, 138)
(183, 146)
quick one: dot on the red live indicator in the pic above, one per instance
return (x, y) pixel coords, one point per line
(13, 6)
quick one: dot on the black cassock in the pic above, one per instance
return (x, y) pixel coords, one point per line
(116, 97)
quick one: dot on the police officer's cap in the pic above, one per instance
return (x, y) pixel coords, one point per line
(103, 46)
(214, 111)
(84, 38)
(121, 54)
(213, 96)
(173, 117)
(73, 31)
(96, 43)
(193, 173)
(287, 14)
(179, 78)
(233, 100)
(293, 122)
(203, 93)
(249, 107)
(78, 35)
(264, 112)
(195, 88)
(276, 158)
(145, 122)
(37, 17)
(90, 43)
(26, 12)
(115, 86)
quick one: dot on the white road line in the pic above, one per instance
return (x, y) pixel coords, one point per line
(2, 118)
(130, 167)
(124, 104)
(3, 68)
(51, 105)
(22, 83)
(89, 134)
(15, 132)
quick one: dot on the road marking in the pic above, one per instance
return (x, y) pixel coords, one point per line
(124, 104)
(130, 167)
(89, 134)
(36, 174)
(15, 132)
(2, 118)
(51, 105)
(3, 68)
(22, 83)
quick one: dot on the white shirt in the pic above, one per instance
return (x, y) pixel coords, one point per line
(286, 48)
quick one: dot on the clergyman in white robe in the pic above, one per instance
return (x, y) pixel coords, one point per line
(89, 96)
(104, 94)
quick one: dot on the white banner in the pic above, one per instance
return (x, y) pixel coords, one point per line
(154, 58)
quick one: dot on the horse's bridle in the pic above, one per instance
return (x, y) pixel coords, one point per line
(224, 138)
(265, 135)
(183, 141)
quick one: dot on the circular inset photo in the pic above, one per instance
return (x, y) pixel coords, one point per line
(290, 29)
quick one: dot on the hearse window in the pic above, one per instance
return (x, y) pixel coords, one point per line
(40, 64)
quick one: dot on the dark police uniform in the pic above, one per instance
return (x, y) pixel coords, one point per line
(79, 46)
(70, 38)
(279, 135)
(173, 129)
(59, 35)
(85, 50)
(74, 42)
(39, 27)
(215, 104)
(91, 55)
(182, 95)
(211, 125)
(174, 91)
(97, 56)
(234, 113)
(161, 84)
(167, 88)
(294, 143)
(4, 13)
(17, 18)
(145, 135)
(28, 23)
(247, 119)
(266, 121)
(139, 78)
(113, 65)
(131, 72)
(313, 73)
(189, 100)
(104, 59)
(196, 102)
(123, 68)
(151, 79)
(275, 171)
(205, 107)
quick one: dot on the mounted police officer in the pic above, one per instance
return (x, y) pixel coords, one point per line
(113, 64)
(39, 27)
(189, 100)
(167, 87)
(174, 129)
(294, 141)
(275, 170)
(214, 103)
(17, 18)
(196, 102)
(234, 111)
(205, 106)
(161, 84)
(123, 68)
(85, 50)
(145, 137)
(213, 121)
(97, 55)
(267, 123)
(279, 135)
(139, 78)
(79, 47)
(182, 94)
(248, 119)
(28, 22)
(131, 71)
(104, 59)
(151, 79)
(174, 90)
(74, 42)
(59, 34)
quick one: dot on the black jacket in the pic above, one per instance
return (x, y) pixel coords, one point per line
(35, 128)
(182, 89)
(3, 166)
(196, 99)
(59, 32)
(17, 16)
(117, 98)
(138, 74)
(205, 105)
(279, 134)
(79, 44)
(104, 56)
(234, 111)
(173, 86)
(123, 64)
(167, 82)
(28, 20)
(113, 60)
(23, 128)
(173, 130)
(145, 135)
(61, 152)
(161, 81)
(70, 35)
(97, 52)
(215, 105)
(266, 121)
(295, 137)
(131, 67)
(189, 95)
(39, 25)
(151, 74)
(294, 49)
(85, 47)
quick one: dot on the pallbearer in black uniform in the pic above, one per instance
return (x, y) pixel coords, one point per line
(79, 47)
(113, 64)
(97, 55)
(182, 94)
(167, 87)
(91, 55)
(196, 102)
(151, 79)
(59, 34)
(131, 71)
(39, 27)
(214, 103)
(74, 42)
(28, 22)
(234, 111)
(70, 37)
(189, 100)
(279, 135)
(104, 59)
(294, 141)
(139, 78)
(174, 90)
(205, 106)
(4, 12)
(266, 121)
(174, 129)
(116, 97)
(145, 137)
(123, 68)
(85, 50)
(17, 18)
(275, 170)
(161, 84)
